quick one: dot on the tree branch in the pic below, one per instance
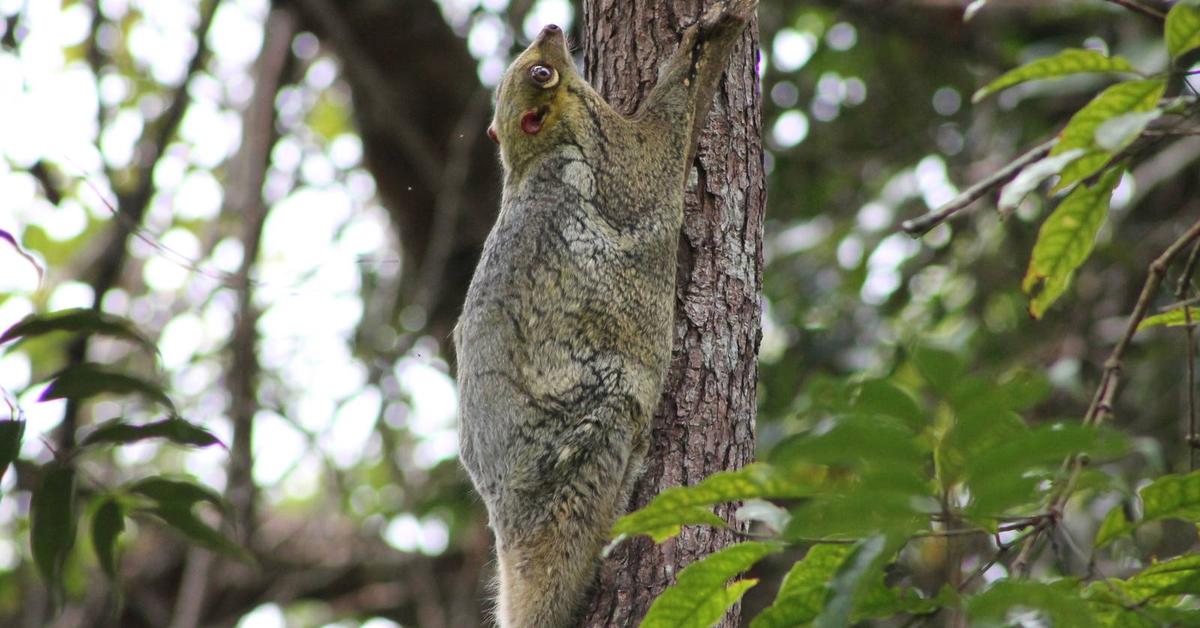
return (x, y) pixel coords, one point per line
(918, 227)
(1137, 7)
(131, 208)
(243, 197)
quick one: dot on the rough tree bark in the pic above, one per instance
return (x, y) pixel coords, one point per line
(706, 421)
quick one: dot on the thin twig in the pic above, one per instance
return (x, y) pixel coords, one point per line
(132, 207)
(381, 104)
(243, 198)
(1102, 400)
(1181, 291)
(449, 203)
(1101, 405)
(1137, 7)
(918, 227)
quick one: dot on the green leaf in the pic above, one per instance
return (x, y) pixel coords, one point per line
(173, 429)
(1182, 29)
(11, 432)
(1149, 598)
(854, 441)
(686, 505)
(1120, 131)
(939, 367)
(1032, 176)
(880, 396)
(184, 521)
(89, 380)
(1081, 130)
(78, 320)
(1008, 473)
(1179, 576)
(700, 595)
(804, 589)
(857, 511)
(1065, 241)
(1168, 497)
(853, 572)
(1058, 601)
(108, 522)
(982, 417)
(1024, 388)
(174, 500)
(1177, 317)
(1069, 61)
(52, 524)
(176, 492)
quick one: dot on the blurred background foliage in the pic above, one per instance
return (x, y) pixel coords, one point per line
(128, 146)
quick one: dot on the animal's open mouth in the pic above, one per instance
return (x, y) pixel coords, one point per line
(531, 122)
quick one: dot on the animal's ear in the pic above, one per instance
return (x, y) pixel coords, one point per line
(491, 133)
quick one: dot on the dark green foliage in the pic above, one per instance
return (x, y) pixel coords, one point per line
(1168, 497)
(176, 430)
(703, 592)
(87, 380)
(108, 521)
(11, 431)
(52, 524)
(54, 516)
(936, 462)
(78, 320)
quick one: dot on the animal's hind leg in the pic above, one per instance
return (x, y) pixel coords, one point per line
(551, 527)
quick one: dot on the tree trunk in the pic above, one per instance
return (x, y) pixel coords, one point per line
(706, 421)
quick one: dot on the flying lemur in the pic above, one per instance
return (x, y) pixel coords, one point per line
(565, 335)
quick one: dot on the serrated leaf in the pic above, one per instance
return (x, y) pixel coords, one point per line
(108, 522)
(1177, 317)
(1119, 131)
(1182, 28)
(184, 521)
(804, 589)
(52, 525)
(1065, 241)
(11, 432)
(687, 505)
(89, 380)
(1069, 61)
(12, 241)
(173, 429)
(854, 571)
(176, 492)
(700, 595)
(1168, 497)
(1080, 131)
(77, 320)
(1058, 601)
(1032, 176)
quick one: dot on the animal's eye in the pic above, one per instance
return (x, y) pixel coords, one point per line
(541, 74)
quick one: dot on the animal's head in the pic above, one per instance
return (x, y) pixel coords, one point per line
(533, 96)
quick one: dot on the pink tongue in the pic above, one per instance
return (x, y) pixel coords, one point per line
(531, 122)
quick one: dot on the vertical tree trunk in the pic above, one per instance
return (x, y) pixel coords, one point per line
(706, 421)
